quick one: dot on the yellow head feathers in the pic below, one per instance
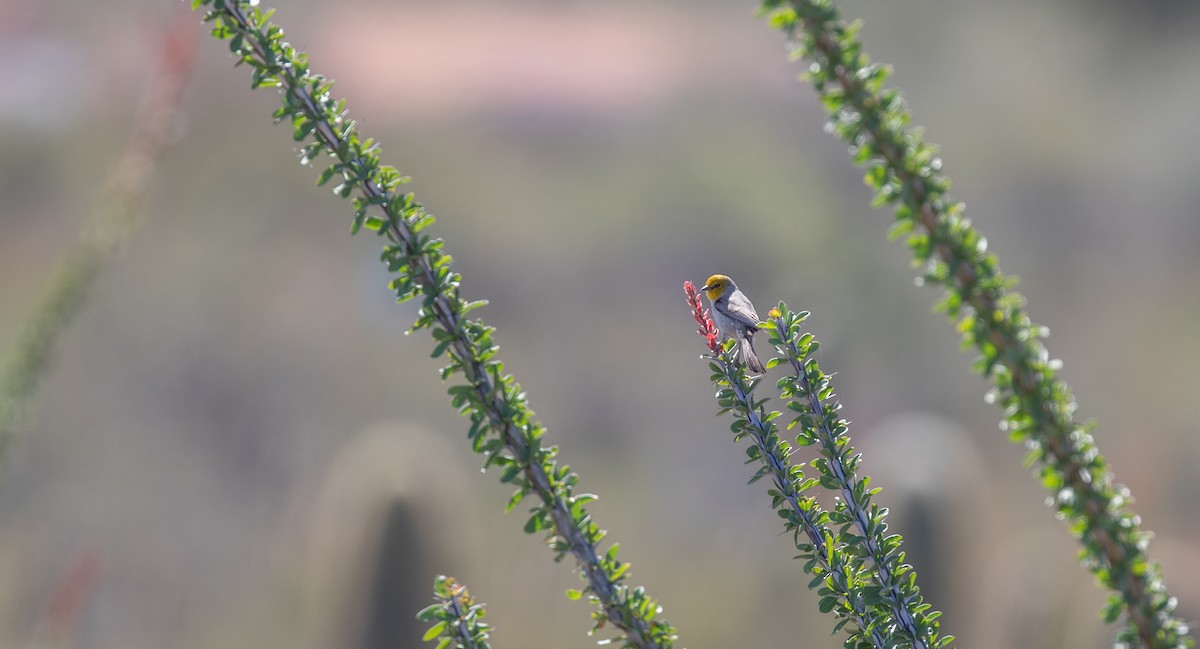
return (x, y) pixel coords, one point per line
(717, 285)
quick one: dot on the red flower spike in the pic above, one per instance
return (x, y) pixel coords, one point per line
(707, 329)
(72, 593)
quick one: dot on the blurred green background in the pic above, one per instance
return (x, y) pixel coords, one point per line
(237, 447)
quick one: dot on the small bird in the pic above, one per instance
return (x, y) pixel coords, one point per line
(734, 315)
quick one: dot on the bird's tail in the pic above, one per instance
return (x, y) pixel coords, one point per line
(746, 350)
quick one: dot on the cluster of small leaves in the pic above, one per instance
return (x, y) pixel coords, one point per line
(502, 426)
(1039, 408)
(455, 617)
(862, 526)
(840, 577)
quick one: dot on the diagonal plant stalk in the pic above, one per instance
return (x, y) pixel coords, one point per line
(1039, 407)
(30, 355)
(840, 572)
(502, 425)
(456, 617)
(810, 393)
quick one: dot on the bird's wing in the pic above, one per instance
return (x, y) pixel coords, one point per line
(739, 308)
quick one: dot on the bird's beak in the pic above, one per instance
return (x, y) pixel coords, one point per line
(705, 288)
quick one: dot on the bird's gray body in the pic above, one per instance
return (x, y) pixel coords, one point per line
(735, 316)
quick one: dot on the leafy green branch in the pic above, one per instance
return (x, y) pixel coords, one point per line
(862, 524)
(502, 426)
(30, 355)
(455, 616)
(1039, 407)
(839, 573)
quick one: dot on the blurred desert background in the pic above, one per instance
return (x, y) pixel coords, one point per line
(237, 447)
